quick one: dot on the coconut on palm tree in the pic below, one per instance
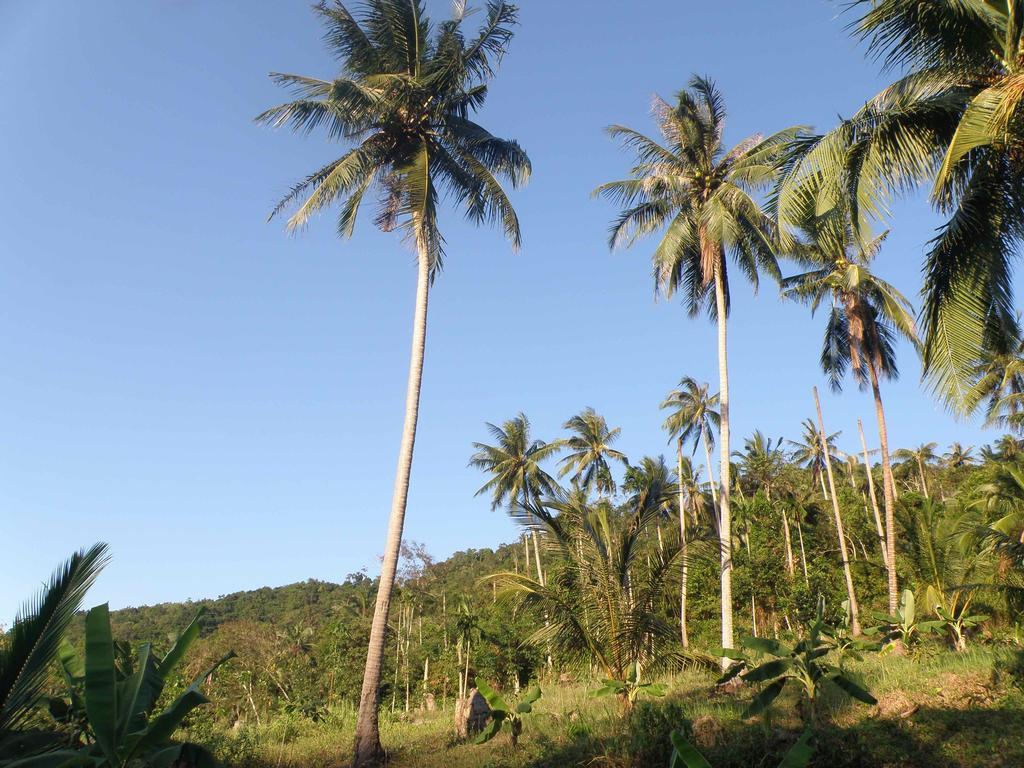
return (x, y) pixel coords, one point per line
(699, 195)
(403, 102)
(589, 449)
(866, 315)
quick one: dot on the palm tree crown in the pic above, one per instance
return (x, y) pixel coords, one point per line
(404, 101)
(590, 450)
(952, 119)
(514, 464)
(693, 413)
(699, 193)
(866, 313)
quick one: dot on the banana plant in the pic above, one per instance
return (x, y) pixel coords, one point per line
(503, 714)
(905, 626)
(685, 754)
(958, 624)
(115, 704)
(803, 665)
(631, 688)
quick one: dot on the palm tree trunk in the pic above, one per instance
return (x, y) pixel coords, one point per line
(536, 559)
(683, 633)
(851, 595)
(725, 516)
(924, 480)
(874, 497)
(367, 748)
(711, 474)
(803, 552)
(888, 490)
(790, 566)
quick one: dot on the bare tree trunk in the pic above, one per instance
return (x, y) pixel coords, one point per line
(874, 497)
(803, 552)
(367, 748)
(536, 560)
(711, 474)
(854, 610)
(888, 490)
(725, 522)
(924, 480)
(683, 633)
(790, 567)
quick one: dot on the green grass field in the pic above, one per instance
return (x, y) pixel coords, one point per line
(937, 710)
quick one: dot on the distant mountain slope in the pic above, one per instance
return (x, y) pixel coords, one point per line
(310, 602)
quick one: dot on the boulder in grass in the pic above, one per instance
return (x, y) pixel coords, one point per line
(471, 714)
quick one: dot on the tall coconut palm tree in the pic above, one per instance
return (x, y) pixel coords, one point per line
(810, 455)
(700, 195)
(952, 120)
(404, 102)
(959, 456)
(694, 419)
(866, 315)
(589, 449)
(691, 503)
(923, 456)
(761, 463)
(514, 466)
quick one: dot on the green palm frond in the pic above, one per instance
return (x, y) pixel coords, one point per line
(35, 637)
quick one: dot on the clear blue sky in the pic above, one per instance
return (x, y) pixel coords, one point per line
(222, 402)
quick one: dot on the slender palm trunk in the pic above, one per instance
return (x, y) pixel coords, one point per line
(790, 564)
(924, 480)
(847, 574)
(874, 497)
(888, 490)
(684, 635)
(536, 559)
(711, 474)
(725, 516)
(367, 749)
(803, 552)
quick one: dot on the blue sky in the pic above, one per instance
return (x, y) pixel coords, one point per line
(222, 402)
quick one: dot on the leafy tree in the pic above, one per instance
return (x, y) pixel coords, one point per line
(404, 99)
(700, 194)
(810, 455)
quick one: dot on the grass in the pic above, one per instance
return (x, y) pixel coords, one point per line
(941, 710)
